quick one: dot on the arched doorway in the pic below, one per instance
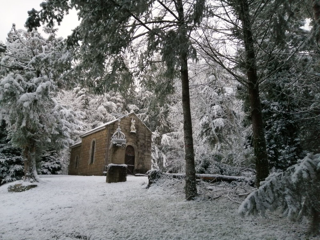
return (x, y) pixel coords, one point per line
(129, 160)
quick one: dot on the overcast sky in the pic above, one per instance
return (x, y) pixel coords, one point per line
(16, 11)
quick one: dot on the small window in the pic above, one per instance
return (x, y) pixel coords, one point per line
(76, 162)
(93, 149)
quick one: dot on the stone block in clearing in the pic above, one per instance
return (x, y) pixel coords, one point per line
(116, 173)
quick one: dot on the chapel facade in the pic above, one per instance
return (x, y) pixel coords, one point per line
(126, 140)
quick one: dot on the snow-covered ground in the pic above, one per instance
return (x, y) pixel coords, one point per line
(78, 207)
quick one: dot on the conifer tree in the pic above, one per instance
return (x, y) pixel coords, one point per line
(220, 114)
(32, 67)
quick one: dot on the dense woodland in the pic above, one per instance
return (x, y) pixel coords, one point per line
(224, 85)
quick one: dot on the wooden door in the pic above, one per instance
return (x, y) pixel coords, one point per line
(129, 160)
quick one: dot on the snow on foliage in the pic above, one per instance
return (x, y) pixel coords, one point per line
(93, 110)
(295, 191)
(11, 162)
(132, 108)
(50, 163)
(33, 71)
(11, 166)
(110, 106)
(218, 117)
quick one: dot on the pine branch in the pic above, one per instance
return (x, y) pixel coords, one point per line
(169, 10)
(295, 191)
(12, 68)
(135, 17)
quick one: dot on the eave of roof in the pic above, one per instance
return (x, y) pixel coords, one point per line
(76, 145)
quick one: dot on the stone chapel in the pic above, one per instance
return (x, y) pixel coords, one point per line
(126, 140)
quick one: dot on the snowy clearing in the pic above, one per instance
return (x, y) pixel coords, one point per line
(78, 207)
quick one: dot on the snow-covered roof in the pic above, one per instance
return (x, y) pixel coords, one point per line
(75, 145)
(97, 129)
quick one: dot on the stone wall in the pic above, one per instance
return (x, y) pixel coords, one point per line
(75, 153)
(98, 165)
(85, 167)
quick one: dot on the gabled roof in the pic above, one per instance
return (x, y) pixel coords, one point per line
(97, 129)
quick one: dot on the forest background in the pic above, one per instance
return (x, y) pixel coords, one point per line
(224, 85)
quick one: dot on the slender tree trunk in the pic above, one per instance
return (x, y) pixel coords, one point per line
(34, 174)
(190, 185)
(27, 164)
(316, 15)
(315, 218)
(315, 222)
(259, 141)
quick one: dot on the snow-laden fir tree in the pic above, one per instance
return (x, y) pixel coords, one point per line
(50, 163)
(295, 191)
(11, 162)
(93, 109)
(32, 67)
(220, 118)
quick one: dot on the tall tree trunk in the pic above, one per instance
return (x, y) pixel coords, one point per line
(34, 172)
(315, 218)
(315, 222)
(259, 141)
(27, 164)
(190, 185)
(30, 168)
(316, 15)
